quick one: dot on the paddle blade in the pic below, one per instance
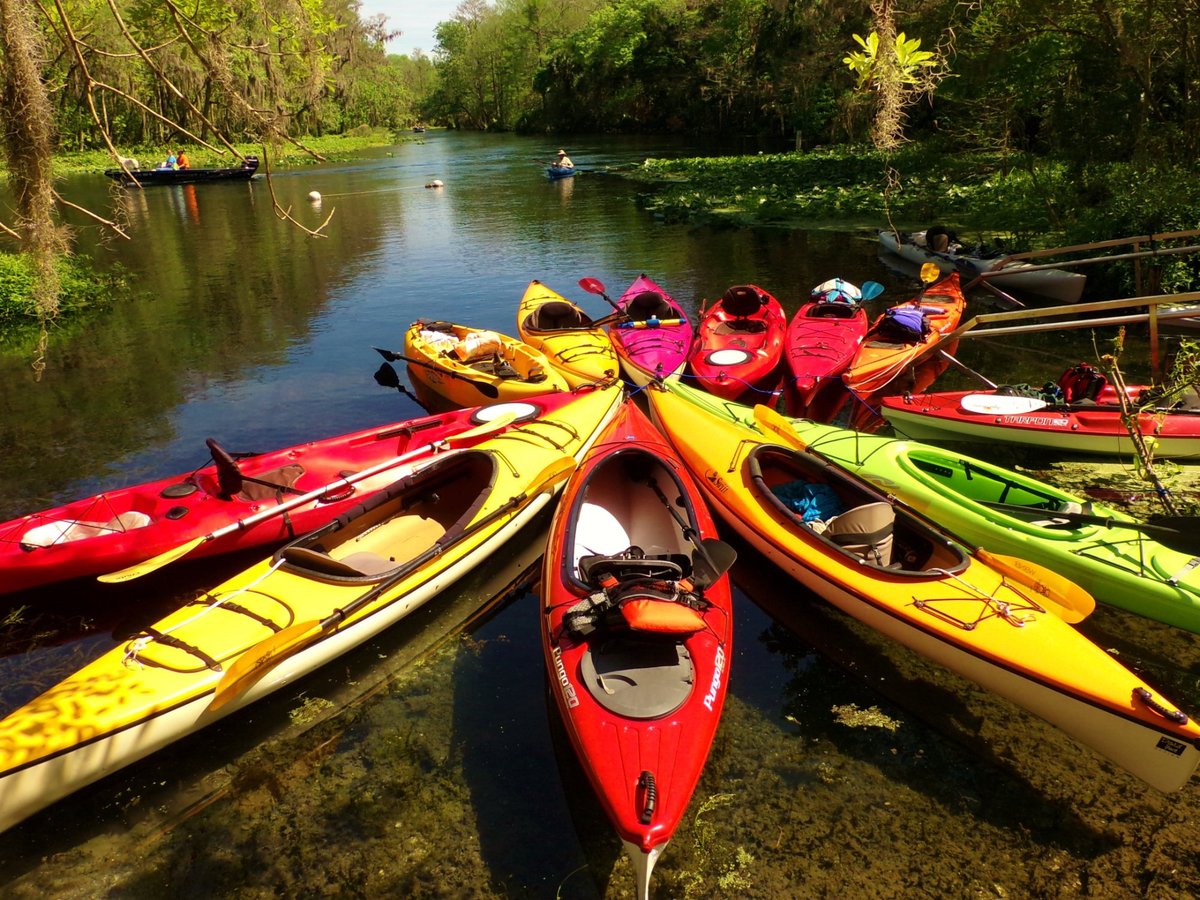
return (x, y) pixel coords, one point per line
(930, 273)
(147, 566)
(712, 559)
(385, 376)
(553, 475)
(501, 421)
(389, 355)
(1177, 532)
(771, 421)
(592, 286)
(870, 290)
(1066, 599)
(259, 659)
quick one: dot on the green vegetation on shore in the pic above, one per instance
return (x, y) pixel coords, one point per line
(1029, 202)
(82, 289)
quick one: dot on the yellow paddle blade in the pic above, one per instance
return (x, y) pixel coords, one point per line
(554, 474)
(769, 420)
(251, 665)
(146, 566)
(502, 420)
(1067, 600)
(930, 273)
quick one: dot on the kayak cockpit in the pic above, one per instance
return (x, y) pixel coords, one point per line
(848, 516)
(398, 527)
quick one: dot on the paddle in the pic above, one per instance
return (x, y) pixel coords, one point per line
(713, 566)
(255, 662)
(488, 390)
(1170, 537)
(650, 323)
(157, 562)
(1070, 602)
(593, 286)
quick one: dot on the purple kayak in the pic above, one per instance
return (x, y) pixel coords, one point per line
(655, 341)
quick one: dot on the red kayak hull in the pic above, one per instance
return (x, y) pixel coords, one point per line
(1094, 428)
(617, 750)
(119, 528)
(820, 341)
(739, 356)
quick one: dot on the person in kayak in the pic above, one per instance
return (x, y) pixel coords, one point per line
(181, 161)
(563, 161)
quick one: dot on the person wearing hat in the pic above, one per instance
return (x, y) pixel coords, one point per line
(564, 161)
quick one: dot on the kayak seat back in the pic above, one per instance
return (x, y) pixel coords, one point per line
(557, 316)
(649, 305)
(742, 301)
(865, 531)
(269, 485)
(596, 569)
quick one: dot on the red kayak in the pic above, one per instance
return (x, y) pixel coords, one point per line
(655, 340)
(821, 340)
(739, 345)
(636, 630)
(219, 507)
(1086, 418)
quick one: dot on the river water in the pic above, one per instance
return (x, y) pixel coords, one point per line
(428, 763)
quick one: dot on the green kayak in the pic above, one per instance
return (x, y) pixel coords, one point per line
(1007, 512)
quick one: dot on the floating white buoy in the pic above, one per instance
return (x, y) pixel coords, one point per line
(314, 196)
(436, 183)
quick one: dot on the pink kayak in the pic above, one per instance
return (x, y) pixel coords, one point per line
(221, 505)
(655, 341)
(739, 345)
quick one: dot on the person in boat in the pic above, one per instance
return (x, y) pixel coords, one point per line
(563, 161)
(941, 240)
(181, 161)
(170, 163)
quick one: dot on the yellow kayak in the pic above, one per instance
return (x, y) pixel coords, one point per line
(581, 350)
(989, 621)
(468, 366)
(314, 599)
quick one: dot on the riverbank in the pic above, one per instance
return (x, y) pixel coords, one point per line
(285, 156)
(1028, 202)
(85, 290)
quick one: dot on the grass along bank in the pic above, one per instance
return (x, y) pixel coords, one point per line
(1028, 201)
(283, 156)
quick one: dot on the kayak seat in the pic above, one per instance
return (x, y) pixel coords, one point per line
(356, 565)
(557, 316)
(865, 531)
(595, 567)
(649, 305)
(742, 301)
(280, 479)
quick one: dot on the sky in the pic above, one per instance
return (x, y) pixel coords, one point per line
(416, 18)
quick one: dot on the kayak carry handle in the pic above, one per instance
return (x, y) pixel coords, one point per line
(1177, 716)
(650, 797)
